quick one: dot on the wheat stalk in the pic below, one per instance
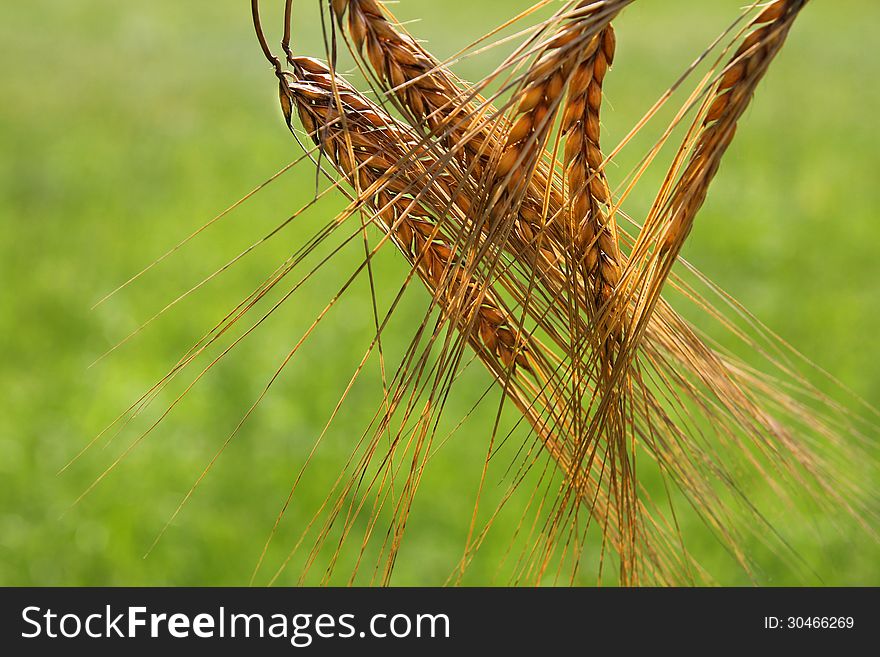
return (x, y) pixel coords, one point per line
(519, 249)
(586, 47)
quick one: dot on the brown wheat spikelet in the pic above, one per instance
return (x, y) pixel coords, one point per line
(592, 225)
(427, 93)
(375, 142)
(398, 61)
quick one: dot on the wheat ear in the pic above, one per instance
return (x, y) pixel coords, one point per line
(730, 99)
(361, 157)
(672, 215)
(593, 227)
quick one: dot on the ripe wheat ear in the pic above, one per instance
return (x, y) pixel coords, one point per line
(671, 217)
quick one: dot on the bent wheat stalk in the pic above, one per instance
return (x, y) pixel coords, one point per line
(559, 68)
(509, 225)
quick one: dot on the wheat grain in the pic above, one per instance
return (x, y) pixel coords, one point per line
(593, 227)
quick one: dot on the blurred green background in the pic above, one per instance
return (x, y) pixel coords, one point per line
(125, 126)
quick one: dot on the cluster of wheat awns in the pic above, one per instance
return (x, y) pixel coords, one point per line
(501, 205)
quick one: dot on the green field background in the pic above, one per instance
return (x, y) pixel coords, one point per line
(126, 126)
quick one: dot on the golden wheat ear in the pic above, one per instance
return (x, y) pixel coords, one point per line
(671, 217)
(771, 425)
